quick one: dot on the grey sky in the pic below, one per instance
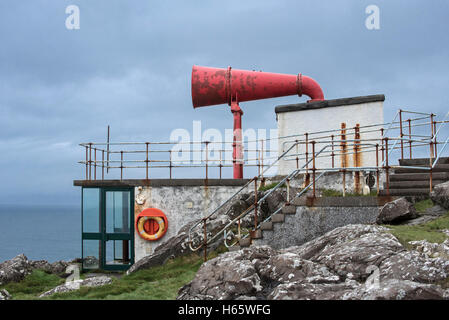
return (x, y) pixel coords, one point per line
(129, 66)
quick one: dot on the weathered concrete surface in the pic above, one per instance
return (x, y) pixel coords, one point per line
(297, 120)
(352, 262)
(178, 245)
(311, 222)
(181, 205)
(396, 211)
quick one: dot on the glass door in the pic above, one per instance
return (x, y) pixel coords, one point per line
(107, 228)
(118, 229)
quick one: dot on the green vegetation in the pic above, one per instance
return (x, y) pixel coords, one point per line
(34, 284)
(160, 283)
(270, 186)
(422, 206)
(336, 193)
(430, 231)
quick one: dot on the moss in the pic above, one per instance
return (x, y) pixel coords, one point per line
(422, 206)
(32, 285)
(161, 282)
(430, 231)
(270, 186)
(336, 193)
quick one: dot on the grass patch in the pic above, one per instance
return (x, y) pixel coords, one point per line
(422, 206)
(157, 283)
(32, 285)
(430, 231)
(270, 186)
(336, 193)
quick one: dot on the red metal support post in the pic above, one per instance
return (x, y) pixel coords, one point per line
(237, 144)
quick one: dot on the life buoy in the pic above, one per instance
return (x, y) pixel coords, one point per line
(151, 224)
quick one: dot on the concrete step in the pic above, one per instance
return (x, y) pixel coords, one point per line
(412, 184)
(419, 176)
(406, 192)
(437, 168)
(421, 161)
(268, 225)
(279, 217)
(289, 209)
(234, 248)
(245, 242)
(256, 234)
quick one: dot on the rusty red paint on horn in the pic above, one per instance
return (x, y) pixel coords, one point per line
(212, 86)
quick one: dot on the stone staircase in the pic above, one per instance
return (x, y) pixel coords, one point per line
(416, 182)
(285, 223)
(269, 225)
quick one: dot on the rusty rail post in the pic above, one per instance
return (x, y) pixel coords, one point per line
(377, 167)
(261, 159)
(121, 165)
(288, 192)
(205, 239)
(387, 168)
(307, 178)
(432, 133)
(87, 163)
(255, 203)
(297, 153)
(401, 135)
(102, 164)
(333, 153)
(343, 155)
(430, 167)
(382, 148)
(435, 138)
(170, 165)
(207, 158)
(356, 157)
(314, 167)
(220, 165)
(410, 136)
(146, 160)
(95, 163)
(90, 161)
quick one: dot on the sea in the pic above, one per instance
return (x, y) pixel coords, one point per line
(41, 232)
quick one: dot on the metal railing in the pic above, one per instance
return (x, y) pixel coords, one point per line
(370, 145)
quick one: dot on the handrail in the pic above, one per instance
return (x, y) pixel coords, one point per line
(293, 174)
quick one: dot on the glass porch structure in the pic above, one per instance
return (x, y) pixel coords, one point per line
(107, 220)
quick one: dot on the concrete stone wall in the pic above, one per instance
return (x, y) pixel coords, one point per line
(329, 115)
(181, 204)
(311, 222)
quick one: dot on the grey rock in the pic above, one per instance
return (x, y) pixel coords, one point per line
(338, 265)
(396, 211)
(4, 295)
(394, 289)
(14, 270)
(440, 194)
(75, 285)
(57, 267)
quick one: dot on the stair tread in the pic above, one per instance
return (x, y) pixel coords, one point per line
(419, 176)
(412, 184)
(406, 192)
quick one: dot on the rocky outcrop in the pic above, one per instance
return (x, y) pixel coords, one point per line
(14, 270)
(75, 285)
(179, 245)
(17, 268)
(440, 194)
(4, 295)
(350, 262)
(396, 211)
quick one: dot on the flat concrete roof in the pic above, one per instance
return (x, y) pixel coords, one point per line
(161, 182)
(328, 103)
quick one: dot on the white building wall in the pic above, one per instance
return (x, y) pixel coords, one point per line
(299, 122)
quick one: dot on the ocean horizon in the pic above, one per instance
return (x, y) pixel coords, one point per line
(41, 232)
